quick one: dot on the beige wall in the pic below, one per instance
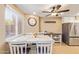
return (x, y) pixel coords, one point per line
(51, 27)
(31, 29)
(2, 29)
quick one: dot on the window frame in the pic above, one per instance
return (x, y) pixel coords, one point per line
(17, 16)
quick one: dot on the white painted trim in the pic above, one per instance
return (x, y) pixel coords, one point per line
(16, 26)
(16, 15)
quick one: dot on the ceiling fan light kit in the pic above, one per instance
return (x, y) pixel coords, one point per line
(55, 10)
(53, 14)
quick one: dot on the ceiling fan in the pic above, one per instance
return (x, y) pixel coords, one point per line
(55, 10)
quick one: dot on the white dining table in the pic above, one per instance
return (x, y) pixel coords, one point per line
(30, 39)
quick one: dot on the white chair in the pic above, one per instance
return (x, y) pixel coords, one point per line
(43, 48)
(18, 48)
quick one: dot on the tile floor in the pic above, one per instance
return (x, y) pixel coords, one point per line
(65, 49)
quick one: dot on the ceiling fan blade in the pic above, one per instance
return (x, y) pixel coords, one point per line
(53, 9)
(58, 6)
(46, 12)
(48, 15)
(63, 11)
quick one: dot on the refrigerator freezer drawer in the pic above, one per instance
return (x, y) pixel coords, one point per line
(74, 41)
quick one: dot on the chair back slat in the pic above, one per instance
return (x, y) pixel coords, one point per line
(21, 50)
(18, 48)
(43, 48)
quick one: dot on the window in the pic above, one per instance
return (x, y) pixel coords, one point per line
(19, 26)
(13, 23)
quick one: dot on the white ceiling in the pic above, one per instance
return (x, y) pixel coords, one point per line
(38, 8)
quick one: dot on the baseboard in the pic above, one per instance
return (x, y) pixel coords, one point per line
(4, 52)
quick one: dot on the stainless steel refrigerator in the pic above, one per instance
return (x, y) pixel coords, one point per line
(70, 33)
